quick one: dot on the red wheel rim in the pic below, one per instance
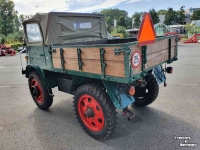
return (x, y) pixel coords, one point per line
(40, 97)
(91, 113)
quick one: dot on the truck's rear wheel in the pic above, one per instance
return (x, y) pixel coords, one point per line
(95, 111)
(148, 93)
(39, 91)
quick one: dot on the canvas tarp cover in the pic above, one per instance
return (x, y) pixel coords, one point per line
(69, 27)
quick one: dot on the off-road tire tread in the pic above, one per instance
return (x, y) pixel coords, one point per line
(110, 113)
(48, 99)
(152, 82)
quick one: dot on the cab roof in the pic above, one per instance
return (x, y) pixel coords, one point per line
(65, 27)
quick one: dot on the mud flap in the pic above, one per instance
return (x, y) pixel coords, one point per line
(159, 74)
(119, 98)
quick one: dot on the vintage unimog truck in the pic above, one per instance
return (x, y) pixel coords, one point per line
(71, 51)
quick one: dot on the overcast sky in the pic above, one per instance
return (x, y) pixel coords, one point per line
(131, 6)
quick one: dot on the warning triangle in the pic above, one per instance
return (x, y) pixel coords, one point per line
(146, 33)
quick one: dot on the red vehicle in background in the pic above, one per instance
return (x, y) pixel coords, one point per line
(173, 33)
(6, 49)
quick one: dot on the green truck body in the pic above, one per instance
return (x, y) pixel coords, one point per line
(71, 51)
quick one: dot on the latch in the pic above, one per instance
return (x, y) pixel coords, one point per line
(52, 51)
(103, 64)
(79, 59)
(117, 51)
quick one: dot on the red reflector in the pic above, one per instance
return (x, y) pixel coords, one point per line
(146, 33)
(132, 90)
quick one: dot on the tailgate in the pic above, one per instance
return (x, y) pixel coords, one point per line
(143, 58)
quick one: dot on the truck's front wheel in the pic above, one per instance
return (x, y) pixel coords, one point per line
(95, 111)
(147, 94)
(39, 91)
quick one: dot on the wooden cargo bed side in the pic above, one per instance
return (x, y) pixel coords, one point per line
(91, 60)
(156, 53)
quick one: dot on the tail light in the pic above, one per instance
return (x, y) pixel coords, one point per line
(132, 90)
(169, 70)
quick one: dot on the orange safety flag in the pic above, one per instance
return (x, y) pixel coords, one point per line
(146, 33)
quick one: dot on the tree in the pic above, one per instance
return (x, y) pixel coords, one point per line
(154, 16)
(109, 21)
(119, 29)
(171, 17)
(115, 14)
(17, 23)
(7, 13)
(181, 15)
(162, 12)
(128, 23)
(195, 15)
(121, 21)
(136, 19)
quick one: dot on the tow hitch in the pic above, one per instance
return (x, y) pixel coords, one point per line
(126, 110)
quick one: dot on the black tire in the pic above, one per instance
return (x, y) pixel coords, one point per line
(106, 106)
(46, 100)
(147, 97)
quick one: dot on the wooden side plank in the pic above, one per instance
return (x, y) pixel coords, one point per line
(114, 68)
(56, 62)
(157, 46)
(173, 41)
(157, 58)
(173, 50)
(71, 64)
(91, 66)
(109, 54)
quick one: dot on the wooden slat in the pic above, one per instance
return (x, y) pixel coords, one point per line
(56, 62)
(71, 64)
(91, 66)
(90, 53)
(173, 49)
(173, 41)
(157, 46)
(109, 54)
(157, 58)
(114, 68)
(70, 53)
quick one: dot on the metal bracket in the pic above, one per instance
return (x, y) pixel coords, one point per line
(103, 64)
(169, 56)
(144, 56)
(117, 51)
(62, 59)
(52, 51)
(79, 59)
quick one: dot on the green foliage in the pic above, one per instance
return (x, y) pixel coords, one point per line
(162, 12)
(2, 38)
(8, 15)
(109, 21)
(190, 29)
(121, 21)
(154, 16)
(171, 17)
(181, 15)
(128, 23)
(136, 18)
(119, 29)
(15, 46)
(195, 15)
(120, 15)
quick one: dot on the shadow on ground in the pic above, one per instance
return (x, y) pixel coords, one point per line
(152, 129)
